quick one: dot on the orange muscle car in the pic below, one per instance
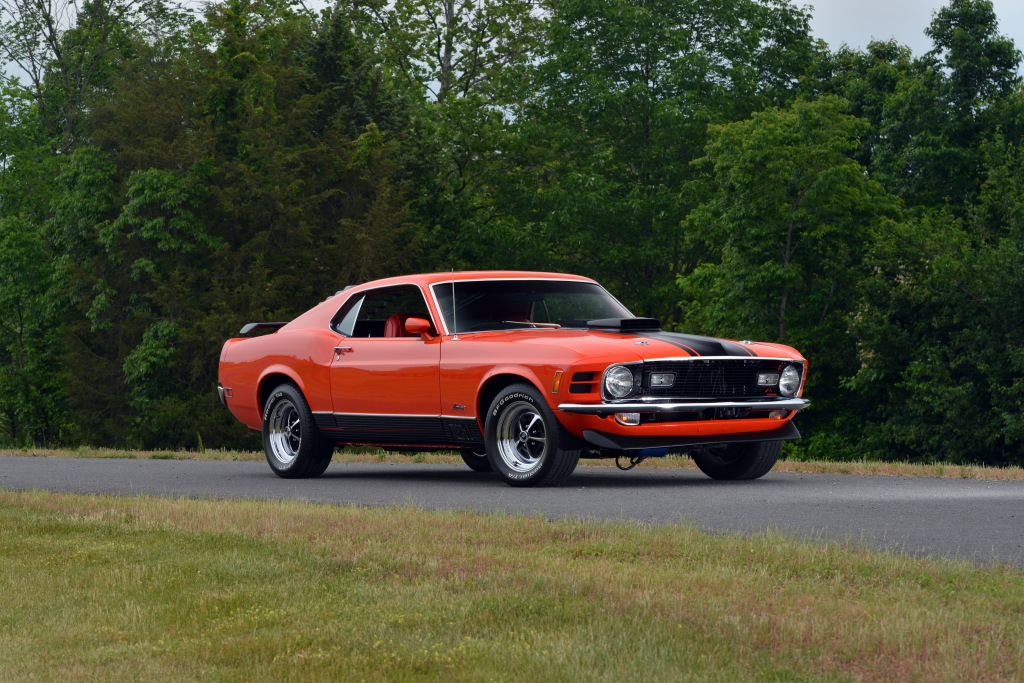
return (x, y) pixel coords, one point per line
(523, 373)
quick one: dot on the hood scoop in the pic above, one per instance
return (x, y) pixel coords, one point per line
(625, 324)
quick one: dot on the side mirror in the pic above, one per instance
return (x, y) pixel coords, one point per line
(418, 326)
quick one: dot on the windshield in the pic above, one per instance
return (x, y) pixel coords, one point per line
(515, 304)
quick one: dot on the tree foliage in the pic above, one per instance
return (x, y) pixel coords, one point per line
(938, 327)
(784, 229)
(600, 177)
(166, 176)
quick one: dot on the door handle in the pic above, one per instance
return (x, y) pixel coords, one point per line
(338, 350)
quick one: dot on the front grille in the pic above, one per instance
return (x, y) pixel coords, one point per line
(717, 378)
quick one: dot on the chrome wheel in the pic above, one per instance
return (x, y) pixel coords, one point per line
(285, 432)
(522, 437)
(295, 448)
(526, 445)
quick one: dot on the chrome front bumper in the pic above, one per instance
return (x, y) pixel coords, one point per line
(681, 406)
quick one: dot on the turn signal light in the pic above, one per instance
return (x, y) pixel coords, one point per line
(556, 384)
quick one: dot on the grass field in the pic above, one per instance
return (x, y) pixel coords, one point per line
(139, 588)
(371, 455)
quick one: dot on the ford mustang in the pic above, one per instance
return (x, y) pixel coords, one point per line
(523, 373)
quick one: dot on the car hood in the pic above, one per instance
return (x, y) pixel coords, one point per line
(638, 345)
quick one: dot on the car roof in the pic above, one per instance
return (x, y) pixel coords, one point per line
(426, 279)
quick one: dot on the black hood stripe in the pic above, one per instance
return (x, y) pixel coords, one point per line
(699, 346)
(674, 342)
(742, 347)
(658, 336)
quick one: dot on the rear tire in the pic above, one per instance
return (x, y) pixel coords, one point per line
(739, 460)
(292, 443)
(476, 459)
(526, 444)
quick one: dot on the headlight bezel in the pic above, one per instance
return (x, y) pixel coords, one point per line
(791, 376)
(620, 371)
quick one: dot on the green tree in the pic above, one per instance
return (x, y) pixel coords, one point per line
(464, 66)
(959, 93)
(938, 328)
(867, 80)
(453, 48)
(599, 174)
(241, 178)
(63, 51)
(30, 396)
(785, 230)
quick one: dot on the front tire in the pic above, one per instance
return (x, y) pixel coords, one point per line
(739, 460)
(526, 444)
(293, 445)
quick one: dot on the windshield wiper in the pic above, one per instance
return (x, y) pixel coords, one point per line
(551, 326)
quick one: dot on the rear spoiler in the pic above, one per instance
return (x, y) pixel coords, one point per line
(252, 327)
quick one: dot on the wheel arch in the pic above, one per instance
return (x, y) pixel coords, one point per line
(273, 377)
(493, 386)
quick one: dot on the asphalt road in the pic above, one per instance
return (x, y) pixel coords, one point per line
(980, 520)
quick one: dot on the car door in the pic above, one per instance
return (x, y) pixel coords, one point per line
(385, 382)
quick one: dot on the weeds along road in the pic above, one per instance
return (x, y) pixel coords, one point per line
(969, 518)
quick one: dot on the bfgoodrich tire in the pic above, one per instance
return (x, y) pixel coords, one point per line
(739, 460)
(526, 444)
(291, 441)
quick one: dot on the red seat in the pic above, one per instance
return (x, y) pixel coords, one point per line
(395, 326)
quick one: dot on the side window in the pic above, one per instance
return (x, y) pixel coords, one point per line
(383, 313)
(348, 319)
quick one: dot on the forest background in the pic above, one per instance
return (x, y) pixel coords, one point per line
(169, 174)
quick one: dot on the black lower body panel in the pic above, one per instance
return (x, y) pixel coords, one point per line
(392, 430)
(618, 442)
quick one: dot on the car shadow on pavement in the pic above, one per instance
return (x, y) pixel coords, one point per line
(584, 477)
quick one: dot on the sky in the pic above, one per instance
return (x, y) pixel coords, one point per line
(857, 22)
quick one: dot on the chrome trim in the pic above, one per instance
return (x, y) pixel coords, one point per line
(605, 397)
(654, 400)
(437, 307)
(515, 279)
(681, 358)
(363, 292)
(681, 407)
(221, 395)
(440, 313)
(447, 417)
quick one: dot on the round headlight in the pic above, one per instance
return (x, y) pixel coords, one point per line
(618, 381)
(789, 381)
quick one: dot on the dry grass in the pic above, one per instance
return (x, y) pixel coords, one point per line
(144, 588)
(865, 467)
